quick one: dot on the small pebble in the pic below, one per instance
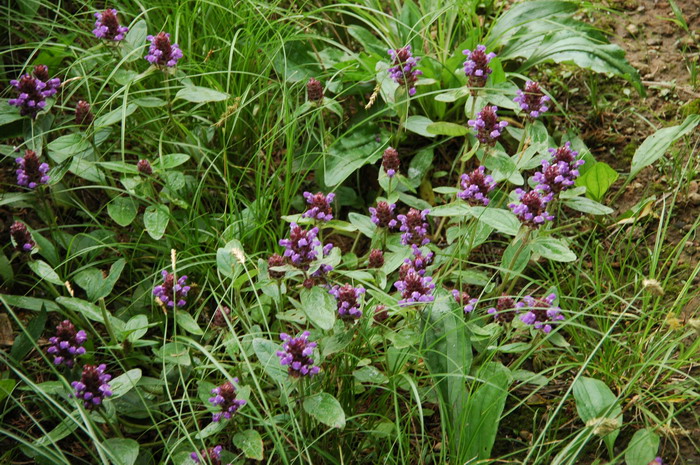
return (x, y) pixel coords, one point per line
(632, 29)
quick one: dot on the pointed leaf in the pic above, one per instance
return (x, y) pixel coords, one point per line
(250, 442)
(326, 409)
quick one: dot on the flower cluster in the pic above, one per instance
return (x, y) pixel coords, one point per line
(93, 386)
(391, 162)
(172, 293)
(162, 53)
(415, 288)
(66, 344)
(296, 355)
(404, 71)
(476, 186)
(83, 115)
(418, 263)
(314, 90)
(348, 301)
(211, 456)
(504, 311)
(487, 126)
(376, 258)
(31, 172)
(465, 300)
(532, 100)
(107, 26)
(274, 261)
(561, 172)
(383, 215)
(476, 67)
(540, 313)
(225, 398)
(301, 245)
(33, 90)
(414, 227)
(319, 206)
(532, 207)
(22, 237)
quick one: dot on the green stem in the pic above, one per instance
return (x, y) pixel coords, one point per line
(107, 322)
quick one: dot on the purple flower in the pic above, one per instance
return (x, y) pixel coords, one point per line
(31, 173)
(32, 91)
(477, 65)
(560, 173)
(403, 72)
(221, 316)
(476, 187)
(161, 53)
(348, 301)
(376, 258)
(540, 313)
(383, 215)
(296, 355)
(504, 311)
(564, 154)
(22, 237)
(299, 248)
(319, 206)
(275, 260)
(93, 386)
(391, 162)
(531, 210)
(172, 293)
(144, 167)
(415, 288)
(418, 263)
(465, 300)
(314, 90)
(414, 227)
(107, 26)
(225, 399)
(532, 99)
(66, 344)
(380, 314)
(487, 126)
(657, 461)
(211, 456)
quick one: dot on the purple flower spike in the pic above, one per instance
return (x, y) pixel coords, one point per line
(477, 65)
(657, 461)
(414, 227)
(22, 237)
(32, 91)
(93, 386)
(415, 288)
(273, 261)
(560, 173)
(403, 72)
(476, 187)
(211, 456)
(66, 344)
(299, 248)
(391, 162)
(348, 301)
(83, 115)
(383, 215)
(418, 263)
(465, 300)
(161, 53)
(504, 311)
(319, 206)
(144, 167)
(314, 90)
(532, 100)
(531, 210)
(376, 258)
(487, 126)
(540, 313)
(31, 172)
(225, 398)
(296, 355)
(107, 26)
(172, 293)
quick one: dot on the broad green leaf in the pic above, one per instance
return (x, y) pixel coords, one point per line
(452, 95)
(266, 351)
(521, 14)
(421, 163)
(370, 374)
(351, 152)
(64, 147)
(453, 209)
(123, 451)
(93, 282)
(553, 249)
(363, 223)
(503, 221)
(656, 145)
(642, 448)
(319, 306)
(135, 39)
(8, 113)
(326, 409)
(24, 341)
(196, 94)
(175, 352)
(118, 166)
(30, 303)
(125, 382)
(62, 430)
(44, 271)
(155, 219)
(188, 323)
(595, 401)
(368, 41)
(122, 210)
(149, 102)
(89, 311)
(515, 258)
(586, 205)
(6, 388)
(226, 262)
(296, 61)
(419, 125)
(135, 328)
(444, 128)
(250, 443)
(598, 180)
(172, 160)
(115, 116)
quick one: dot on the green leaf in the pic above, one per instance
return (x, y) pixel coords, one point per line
(503, 221)
(135, 39)
(86, 309)
(521, 14)
(553, 249)
(175, 352)
(326, 409)
(123, 451)
(8, 113)
(122, 210)
(419, 125)
(125, 382)
(196, 94)
(319, 306)
(62, 430)
(363, 223)
(351, 152)
(24, 341)
(155, 219)
(656, 145)
(421, 163)
(250, 443)
(93, 282)
(6, 387)
(186, 322)
(368, 41)
(515, 258)
(594, 401)
(64, 147)
(586, 205)
(370, 374)
(44, 271)
(444, 128)
(598, 180)
(642, 448)
(266, 351)
(452, 95)
(149, 102)
(115, 116)
(135, 328)
(226, 262)
(453, 209)
(172, 160)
